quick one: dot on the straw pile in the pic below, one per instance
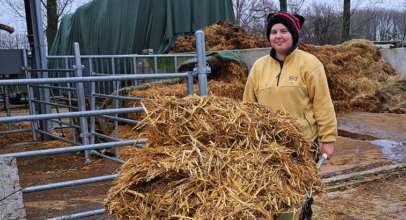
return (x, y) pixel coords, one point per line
(222, 35)
(359, 78)
(227, 80)
(211, 157)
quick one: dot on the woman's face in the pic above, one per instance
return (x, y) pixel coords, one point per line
(280, 38)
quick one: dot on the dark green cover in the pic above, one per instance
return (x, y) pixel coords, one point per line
(215, 58)
(110, 27)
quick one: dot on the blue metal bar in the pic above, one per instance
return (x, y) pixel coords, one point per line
(201, 64)
(7, 103)
(30, 92)
(80, 215)
(116, 77)
(73, 149)
(107, 157)
(70, 114)
(92, 105)
(84, 129)
(120, 97)
(55, 104)
(135, 70)
(70, 125)
(129, 121)
(125, 56)
(107, 137)
(15, 131)
(55, 87)
(69, 183)
(50, 70)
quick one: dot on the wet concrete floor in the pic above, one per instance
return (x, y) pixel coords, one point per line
(367, 139)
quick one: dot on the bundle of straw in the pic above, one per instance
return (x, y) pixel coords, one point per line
(215, 158)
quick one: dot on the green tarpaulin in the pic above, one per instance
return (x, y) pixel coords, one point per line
(110, 27)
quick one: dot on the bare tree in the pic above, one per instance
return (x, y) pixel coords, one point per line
(294, 6)
(251, 14)
(391, 25)
(53, 11)
(364, 23)
(400, 24)
(322, 25)
(13, 41)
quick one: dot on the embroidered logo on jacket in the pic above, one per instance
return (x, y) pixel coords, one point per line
(293, 78)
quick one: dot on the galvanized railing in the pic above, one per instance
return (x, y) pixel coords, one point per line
(119, 64)
(76, 84)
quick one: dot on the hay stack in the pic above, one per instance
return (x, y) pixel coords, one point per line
(222, 35)
(210, 157)
(227, 80)
(359, 78)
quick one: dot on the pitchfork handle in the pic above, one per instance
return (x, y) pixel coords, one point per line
(321, 161)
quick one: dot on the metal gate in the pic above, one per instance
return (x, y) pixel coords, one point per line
(75, 82)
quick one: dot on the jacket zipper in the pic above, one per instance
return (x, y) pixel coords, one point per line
(279, 76)
(280, 72)
(308, 123)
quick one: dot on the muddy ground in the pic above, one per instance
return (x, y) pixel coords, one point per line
(364, 180)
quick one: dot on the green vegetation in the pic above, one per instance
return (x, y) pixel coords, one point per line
(400, 168)
(359, 177)
(334, 182)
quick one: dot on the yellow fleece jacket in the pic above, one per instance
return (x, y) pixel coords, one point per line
(301, 89)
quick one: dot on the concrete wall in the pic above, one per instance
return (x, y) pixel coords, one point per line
(12, 208)
(396, 58)
(251, 55)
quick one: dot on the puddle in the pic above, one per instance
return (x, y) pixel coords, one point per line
(392, 150)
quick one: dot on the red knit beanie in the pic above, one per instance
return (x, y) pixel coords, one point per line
(292, 22)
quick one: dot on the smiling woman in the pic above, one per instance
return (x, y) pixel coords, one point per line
(281, 40)
(292, 80)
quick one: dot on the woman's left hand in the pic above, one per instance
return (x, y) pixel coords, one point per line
(327, 148)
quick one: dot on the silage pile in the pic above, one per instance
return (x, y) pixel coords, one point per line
(211, 157)
(222, 35)
(359, 78)
(226, 80)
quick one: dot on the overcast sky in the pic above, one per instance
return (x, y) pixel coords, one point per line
(18, 23)
(20, 26)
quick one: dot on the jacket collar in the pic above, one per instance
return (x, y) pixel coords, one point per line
(273, 53)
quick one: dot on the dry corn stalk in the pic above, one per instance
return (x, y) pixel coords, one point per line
(215, 158)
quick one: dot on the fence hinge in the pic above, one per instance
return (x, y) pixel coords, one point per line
(208, 69)
(87, 135)
(74, 67)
